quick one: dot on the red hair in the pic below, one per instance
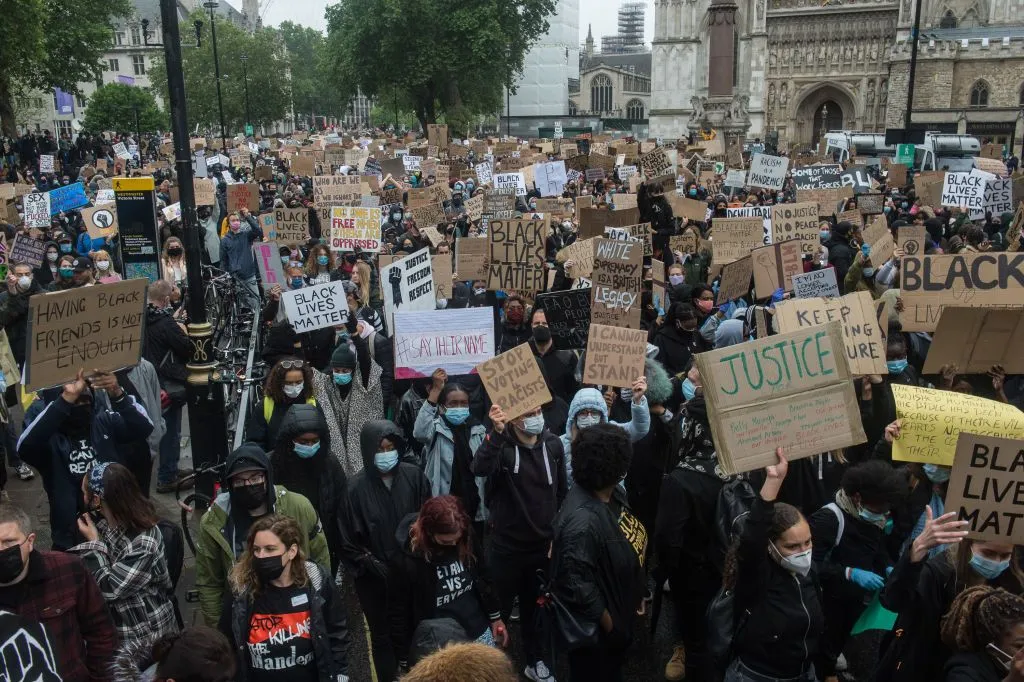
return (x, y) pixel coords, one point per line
(442, 515)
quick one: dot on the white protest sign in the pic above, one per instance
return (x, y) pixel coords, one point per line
(515, 180)
(483, 173)
(353, 228)
(46, 163)
(966, 190)
(767, 171)
(998, 199)
(172, 212)
(412, 163)
(762, 212)
(816, 284)
(104, 196)
(316, 307)
(408, 284)
(550, 178)
(736, 178)
(121, 151)
(37, 209)
(558, 130)
(453, 340)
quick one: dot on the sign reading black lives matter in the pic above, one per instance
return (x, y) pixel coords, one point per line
(90, 328)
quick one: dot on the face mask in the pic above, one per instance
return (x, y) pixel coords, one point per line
(385, 461)
(869, 272)
(799, 563)
(396, 217)
(872, 517)
(987, 568)
(588, 420)
(541, 334)
(705, 306)
(297, 282)
(285, 259)
(533, 205)
(51, 256)
(66, 273)
(676, 280)
(824, 234)
(896, 366)
(249, 497)
(306, 451)
(102, 264)
(456, 415)
(935, 473)
(11, 564)
(65, 248)
(268, 567)
(904, 205)
(175, 252)
(887, 209)
(235, 227)
(534, 425)
(514, 316)
(626, 394)
(479, 291)
(689, 389)
(693, 192)
(342, 378)
(293, 390)
(25, 281)
(322, 260)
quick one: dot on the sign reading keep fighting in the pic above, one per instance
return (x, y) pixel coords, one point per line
(90, 328)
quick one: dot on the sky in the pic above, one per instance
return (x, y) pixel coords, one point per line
(602, 14)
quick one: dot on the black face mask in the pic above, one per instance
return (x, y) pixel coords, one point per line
(541, 334)
(268, 568)
(79, 419)
(11, 564)
(174, 252)
(249, 497)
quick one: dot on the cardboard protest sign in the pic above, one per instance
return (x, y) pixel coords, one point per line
(67, 198)
(581, 253)
(656, 163)
(408, 284)
(618, 270)
(897, 176)
(303, 166)
(790, 390)
(997, 199)
(685, 243)
(36, 207)
(437, 135)
(817, 177)
(471, 256)
(245, 195)
(353, 228)
(27, 250)
(816, 284)
(690, 209)
(966, 190)
(268, 260)
(979, 280)
(568, 316)
(83, 328)
(871, 203)
(975, 339)
(763, 212)
(931, 420)
(514, 382)
(517, 255)
(641, 232)
(864, 341)
(441, 269)
(735, 282)
(513, 180)
(796, 221)
(453, 340)
(336, 190)
(910, 239)
(615, 356)
(594, 220)
(292, 226)
(734, 238)
(316, 307)
(172, 212)
(984, 488)
(879, 236)
(205, 191)
(929, 189)
(774, 266)
(767, 171)
(825, 198)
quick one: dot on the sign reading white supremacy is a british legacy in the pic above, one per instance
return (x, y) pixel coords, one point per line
(453, 340)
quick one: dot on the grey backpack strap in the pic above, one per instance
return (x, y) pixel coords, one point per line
(842, 522)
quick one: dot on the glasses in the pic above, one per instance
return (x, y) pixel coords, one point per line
(293, 364)
(243, 480)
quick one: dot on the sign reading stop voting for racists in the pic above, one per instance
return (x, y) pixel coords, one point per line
(514, 382)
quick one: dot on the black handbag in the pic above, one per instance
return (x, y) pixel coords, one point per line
(175, 390)
(568, 631)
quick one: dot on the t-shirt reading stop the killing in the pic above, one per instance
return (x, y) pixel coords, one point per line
(280, 644)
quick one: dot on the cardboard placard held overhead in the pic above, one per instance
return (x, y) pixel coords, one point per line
(790, 390)
(816, 284)
(767, 171)
(316, 307)
(90, 328)
(454, 340)
(797, 221)
(879, 236)
(353, 228)
(897, 176)
(243, 196)
(27, 250)
(568, 316)
(205, 191)
(594, 220)
(641, 232)
(689, 209)
(977, 280)
(774, 266)
(581, 253)
(408, 284)
(471, 256)
(268, 260)
(100, 221)
(618, 271)
(516, 258)
(931, 420)
(735, 238)
(865, 344)
(910, 239)
(975, 339)
(615, 356)
(984, 488)
(735, 282)
(292, 226)
(514, 382)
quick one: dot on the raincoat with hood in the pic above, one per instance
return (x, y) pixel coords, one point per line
(447, 474)
(591, 399)
(223, 530)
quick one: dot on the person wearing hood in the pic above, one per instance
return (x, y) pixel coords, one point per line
(559, 366)
(438, 575)
(840, 251)
(588, 408)
(304, 465)
(290, 382)
(46, 273)
(66, 430)
(731, 332)
(512, 330)
(526, 483)
(679, 338)
(248, 493)
(379, 497)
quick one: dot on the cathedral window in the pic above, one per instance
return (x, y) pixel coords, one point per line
(601, 94)
(979, 94)
(948, 20)
(635, 110)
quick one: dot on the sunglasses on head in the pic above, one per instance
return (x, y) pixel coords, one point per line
(292, 364)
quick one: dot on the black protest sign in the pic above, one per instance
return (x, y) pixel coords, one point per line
(857, 177)
(568, 316)
(818, 177)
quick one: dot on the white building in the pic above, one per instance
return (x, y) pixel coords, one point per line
(543, 88)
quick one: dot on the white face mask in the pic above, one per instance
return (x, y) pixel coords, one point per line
(25, 281)
(799, 563)
(534, 424)
(102, 264)
(585, 421)
(293, 390)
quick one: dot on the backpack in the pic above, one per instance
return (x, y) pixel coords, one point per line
(174, 555)
(731, 511)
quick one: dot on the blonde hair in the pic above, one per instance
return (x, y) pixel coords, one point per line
(244, 577)
(363, 269)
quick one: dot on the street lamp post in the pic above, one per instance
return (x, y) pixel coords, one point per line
(212, 5)
(245, 78)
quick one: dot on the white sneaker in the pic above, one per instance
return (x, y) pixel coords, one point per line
(538, 672)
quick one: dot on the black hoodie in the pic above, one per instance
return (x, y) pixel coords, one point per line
(374, 510)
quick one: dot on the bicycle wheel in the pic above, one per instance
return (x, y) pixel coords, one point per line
(189, 517)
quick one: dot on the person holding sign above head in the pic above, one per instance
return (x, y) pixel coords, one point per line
(236, 253)
(985, 629)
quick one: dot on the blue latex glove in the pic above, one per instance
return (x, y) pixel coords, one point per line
(889, 570)
(714, 287)
(727, 308)
(778, 294)
(866, 580)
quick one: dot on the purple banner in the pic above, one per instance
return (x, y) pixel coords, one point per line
(65, 102)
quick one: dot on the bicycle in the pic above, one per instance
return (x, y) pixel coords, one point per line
(195, 500)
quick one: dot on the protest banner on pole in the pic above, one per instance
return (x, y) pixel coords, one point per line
(316, 307)
(790, 390)
(36, 207)
(292, 226)
(767, 171)
(67, 198)
(90, 328)
(471, 256)
(615, 356)
(816, 284)
(100, 221)
(975, 339)
(353, 228)
(931, 420)
(568, 317)
(735, 238)
(268, 260)
(735, 282)
(985, 488)
(516, 258)
(618, 270)
(864, 341)
(408, 284)
(453, 340)
(797, 221)
(774, 266)
(514, 382)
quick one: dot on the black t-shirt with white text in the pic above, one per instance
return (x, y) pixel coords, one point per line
(280, 643)
(455, 595)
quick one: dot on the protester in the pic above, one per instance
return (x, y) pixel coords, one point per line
(589, 408)
(172, 262)
(105, 272)
(290, 382)
(463, 663)
(985, 629)
(236, 254)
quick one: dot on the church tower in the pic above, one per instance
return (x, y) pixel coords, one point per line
(588, 47)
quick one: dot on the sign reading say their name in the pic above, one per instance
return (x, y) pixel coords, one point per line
(353, 228)
(985, 488)
(316, 307)
(767, 171)
(453, 340)
(790, 390)
(85, 328)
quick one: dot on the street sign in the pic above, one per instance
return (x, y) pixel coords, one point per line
(905, 154)
(248, 130)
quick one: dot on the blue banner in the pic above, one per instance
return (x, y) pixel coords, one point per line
(67, 198)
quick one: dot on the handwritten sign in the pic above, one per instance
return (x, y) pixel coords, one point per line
(245, 195)
(985, 488)
(355, 228)
(656, 163)
(292, 226)
(966, 190)
(735, 238)
(514, 382)
(816, 284)
(268, 260)
(336, 190)
(774, 266)
(471, 256)
(568, 316)
(797, 221)
(616, 283)
(316, 307)
(615, 356)
(27, 250)
(205, 191)
(37, 209)
(735, 282)
(408, 284)
(517, 255)
(453, 340)
(67, 198)
(767, 171)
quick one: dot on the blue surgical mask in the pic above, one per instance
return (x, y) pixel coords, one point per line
(987, 568)
(689, 389)
(306, 451)
(824, 234)
(887, 209)
(456, 415)
(66, 273)
(896, 366)
(297, 282)
(385, 461)
(285, 259)
(873, 517)
(65, 248)
(342, 378)
(322, 260)
(869, 272)
(693, 192)
(935, 473)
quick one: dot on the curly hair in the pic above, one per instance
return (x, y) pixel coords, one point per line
(876, 482)
(600, 456)
(784, 517)
(979, 616)
(244, 577)
(443, 514)
(312, 266)
(274, 386)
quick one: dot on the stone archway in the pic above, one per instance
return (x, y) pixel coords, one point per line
(838, 104)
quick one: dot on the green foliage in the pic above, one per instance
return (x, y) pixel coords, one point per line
(445, 57)
(267, 69)
(306, 48)
(113, 107)
(52, 43)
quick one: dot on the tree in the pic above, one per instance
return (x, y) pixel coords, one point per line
(306, 48)
(121, 108)
(445, 57)
(52, 43)
(266, 67)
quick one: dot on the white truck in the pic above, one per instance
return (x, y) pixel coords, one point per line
(870, 147)
(946, 151)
